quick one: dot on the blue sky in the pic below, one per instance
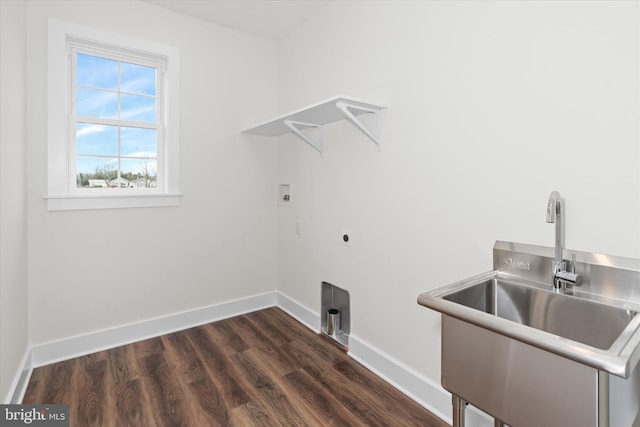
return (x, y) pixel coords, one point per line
(97, 83)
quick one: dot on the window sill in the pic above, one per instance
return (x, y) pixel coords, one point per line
(71, 202)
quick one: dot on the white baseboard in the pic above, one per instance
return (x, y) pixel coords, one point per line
(419, 388)
(302, 314)
(21, 380)
(80, 345)
(422, 390)
(411, 383)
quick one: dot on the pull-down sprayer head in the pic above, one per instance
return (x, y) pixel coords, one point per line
(553, 207)
(554, 215)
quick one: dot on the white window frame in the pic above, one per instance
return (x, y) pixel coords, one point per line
(76, 46)
(63, 194)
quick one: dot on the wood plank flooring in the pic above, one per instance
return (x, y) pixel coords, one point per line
(258, 369)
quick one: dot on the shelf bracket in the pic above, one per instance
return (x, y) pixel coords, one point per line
(294, 127)
(345, 108)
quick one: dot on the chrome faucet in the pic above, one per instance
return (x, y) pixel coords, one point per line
(561, 277)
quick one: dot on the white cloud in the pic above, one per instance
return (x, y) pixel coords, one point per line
(136, 113)
(90, 129)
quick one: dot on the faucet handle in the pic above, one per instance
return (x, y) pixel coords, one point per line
(571, 278)
(563, 279)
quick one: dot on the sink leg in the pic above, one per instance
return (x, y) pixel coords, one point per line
(459, 405)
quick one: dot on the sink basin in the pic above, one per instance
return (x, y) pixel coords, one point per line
(591, 323)
(599, 333)
(529, 356)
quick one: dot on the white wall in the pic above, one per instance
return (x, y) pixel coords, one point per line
(492, 105)
(13, 199)
(90, 270)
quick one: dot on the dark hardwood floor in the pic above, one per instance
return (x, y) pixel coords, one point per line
(258, 369)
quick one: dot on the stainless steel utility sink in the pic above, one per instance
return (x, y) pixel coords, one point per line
(527, 351)
(578, 319)
(590, 329)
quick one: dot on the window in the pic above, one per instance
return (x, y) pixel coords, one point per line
(113, 138)
(115, 128)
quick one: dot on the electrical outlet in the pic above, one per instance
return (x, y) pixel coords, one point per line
(346, 237)
(298, 228)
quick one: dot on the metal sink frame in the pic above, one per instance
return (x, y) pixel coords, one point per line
(511, 346)
(611, 290)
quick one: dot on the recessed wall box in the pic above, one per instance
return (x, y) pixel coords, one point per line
(284, 195)
(335, 314)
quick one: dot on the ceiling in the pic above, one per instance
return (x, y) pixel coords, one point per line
(271, 19)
